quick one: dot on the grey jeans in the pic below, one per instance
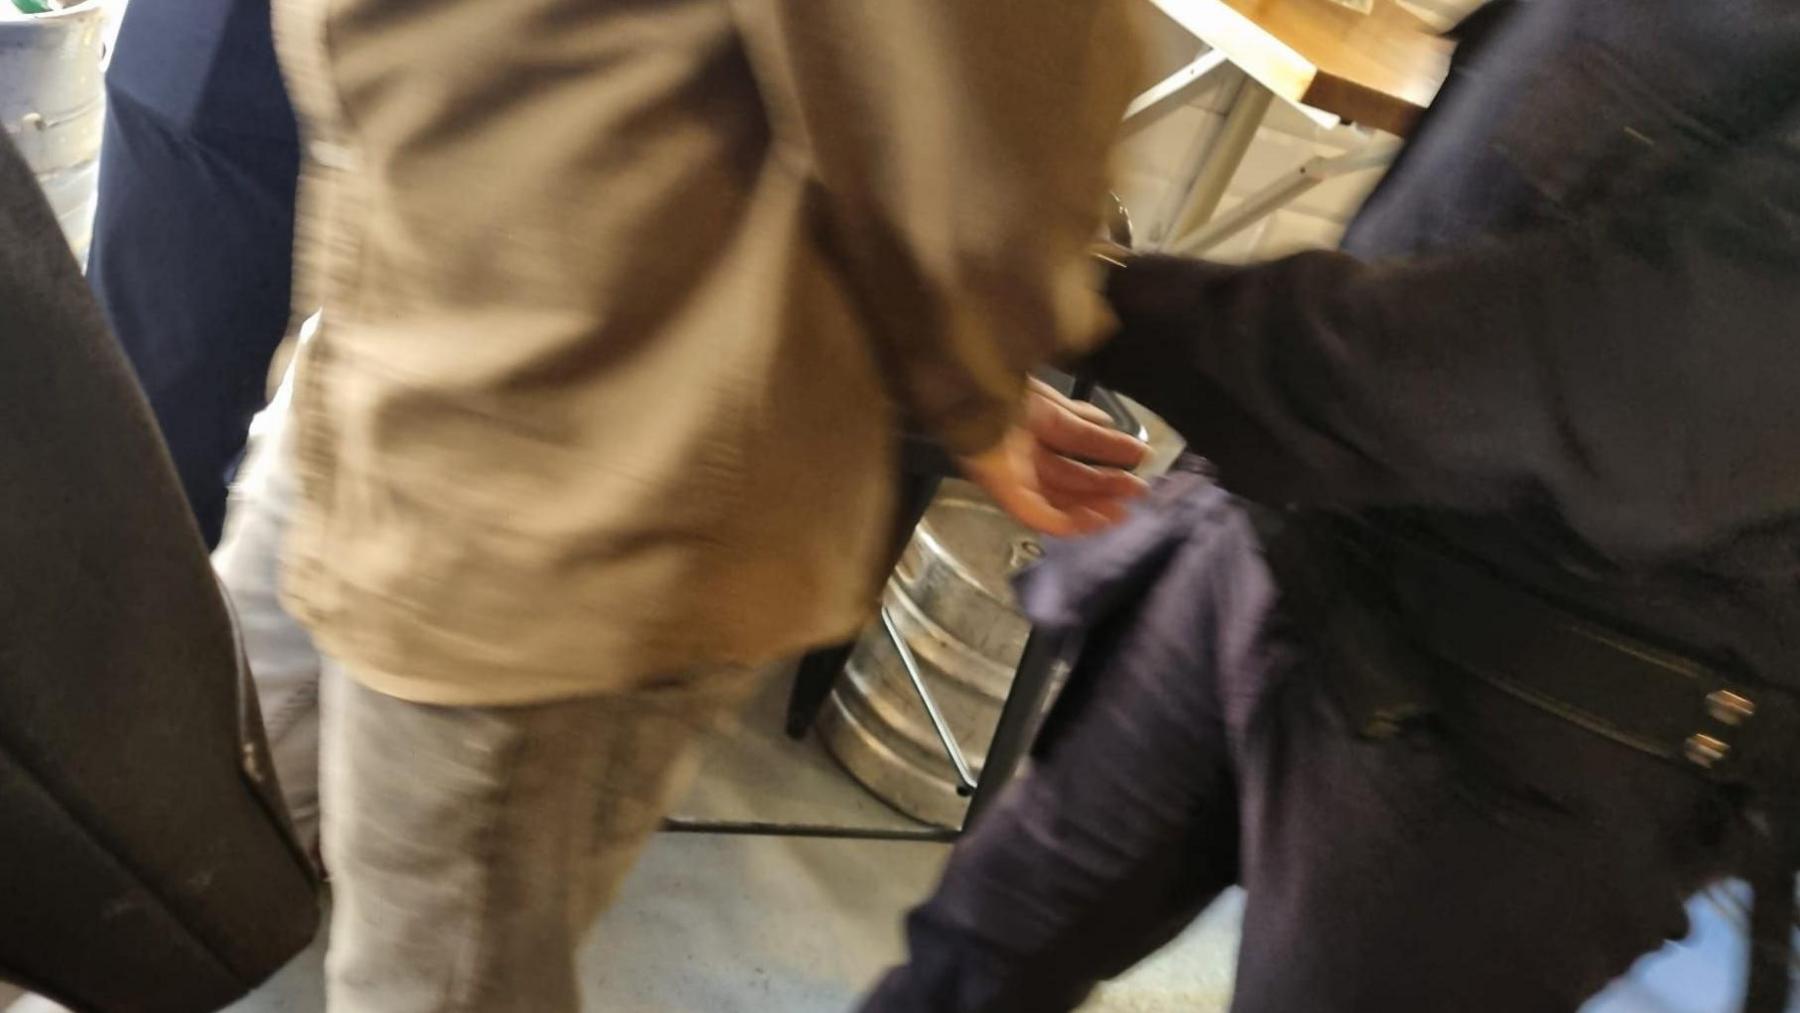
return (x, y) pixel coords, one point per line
(469, 847)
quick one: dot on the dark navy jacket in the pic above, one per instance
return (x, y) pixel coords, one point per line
(1563, 335)
(194, 230)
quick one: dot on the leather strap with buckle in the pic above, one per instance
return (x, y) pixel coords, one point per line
(1726, 727)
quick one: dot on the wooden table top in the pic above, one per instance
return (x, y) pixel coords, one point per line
(1379, 69)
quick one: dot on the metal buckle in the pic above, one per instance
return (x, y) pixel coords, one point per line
(1728, 708)
(1704, 751)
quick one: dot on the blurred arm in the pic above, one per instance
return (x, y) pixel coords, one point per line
(957, 151)
(1637, 369)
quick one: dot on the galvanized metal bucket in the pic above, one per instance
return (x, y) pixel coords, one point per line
(951, 635)
(52, 105)
(916, 709)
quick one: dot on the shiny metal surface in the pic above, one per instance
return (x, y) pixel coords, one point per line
(892, 771)
(1118, 220)
(958, 569)
(52, 107)
(948, 656)
(1729, 708)
(949, 603)
(877, 676)
(1704, 751)
(965, 779)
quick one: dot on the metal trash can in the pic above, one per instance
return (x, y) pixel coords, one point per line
(915, 710)
(52, 104)
(948, 625)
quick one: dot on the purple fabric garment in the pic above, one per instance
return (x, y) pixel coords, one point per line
(1078, 582)
(1474, 863)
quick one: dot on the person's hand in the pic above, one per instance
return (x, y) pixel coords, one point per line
(1063, 469)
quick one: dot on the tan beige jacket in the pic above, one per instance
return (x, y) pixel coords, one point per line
(620, 297)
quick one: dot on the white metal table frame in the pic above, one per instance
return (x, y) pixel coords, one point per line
(1189, 224)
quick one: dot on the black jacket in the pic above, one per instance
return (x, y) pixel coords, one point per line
(1561, 335)
(145, 860)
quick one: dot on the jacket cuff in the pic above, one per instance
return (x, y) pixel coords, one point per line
(1162, 304)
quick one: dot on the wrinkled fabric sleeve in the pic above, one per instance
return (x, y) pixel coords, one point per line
(1637, 369)
(956, 152)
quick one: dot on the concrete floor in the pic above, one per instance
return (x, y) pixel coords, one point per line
(756, 924)
(795, 925)
(730, 923)
(748, 924)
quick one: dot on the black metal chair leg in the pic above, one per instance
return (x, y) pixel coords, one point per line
(813, 680)
(1019, 717)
